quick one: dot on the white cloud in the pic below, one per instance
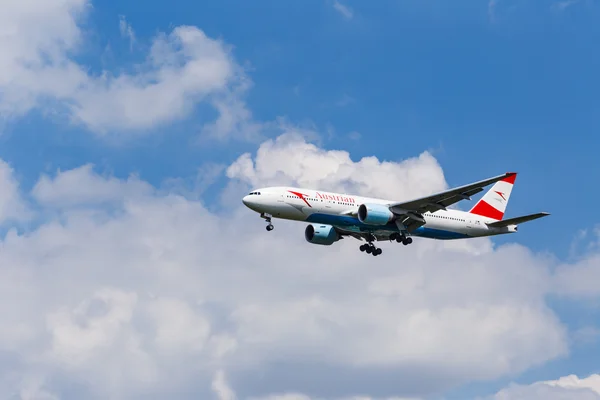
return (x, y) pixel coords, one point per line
(81, 186)
(234, 117)
(345, 11)
(298, 396)
(33, 389)
(179, 327)
(568, 387)
(91, 326)
(156, 293)
(221, 387)
(11, 204)
(183, 68)
(126, 30)
(289, 159)
(577, 279)
(124, 290)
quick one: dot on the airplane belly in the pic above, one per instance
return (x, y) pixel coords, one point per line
(287, 211)
(435, 230)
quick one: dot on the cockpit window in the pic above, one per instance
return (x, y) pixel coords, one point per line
(254, 193)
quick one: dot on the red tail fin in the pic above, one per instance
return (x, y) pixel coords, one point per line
(493, 204)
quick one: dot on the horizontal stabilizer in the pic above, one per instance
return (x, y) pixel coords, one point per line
(517, 220)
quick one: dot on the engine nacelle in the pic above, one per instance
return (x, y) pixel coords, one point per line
(321, 234)
(374, 214)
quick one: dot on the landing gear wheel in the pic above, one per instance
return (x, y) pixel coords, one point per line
(369, 249)
(363, 247)
(399, 237)
(407, 241)
(377, 252)
(267, 217)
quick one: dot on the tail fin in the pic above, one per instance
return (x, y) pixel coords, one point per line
(493, 204)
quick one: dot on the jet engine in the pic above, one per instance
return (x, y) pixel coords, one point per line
(374, 214)
(321, 234)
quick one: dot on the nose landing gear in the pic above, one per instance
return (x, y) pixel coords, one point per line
(267, 217)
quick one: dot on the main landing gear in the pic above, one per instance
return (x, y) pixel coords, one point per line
(267, 217)
(370, 248)
(401, 238)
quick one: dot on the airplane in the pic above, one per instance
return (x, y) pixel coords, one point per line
(334, 216)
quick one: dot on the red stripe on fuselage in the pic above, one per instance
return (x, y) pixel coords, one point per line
(301, 196)
(486, 210)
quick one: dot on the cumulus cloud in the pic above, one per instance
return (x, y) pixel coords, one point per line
(299, 396)
(81, 186)
(221, 387)
(576, 279)
(568, 387)
(182, 69)
(290, 159)
(156, 297)
(124, 291)
(11, 203)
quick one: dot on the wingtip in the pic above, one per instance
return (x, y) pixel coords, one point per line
(510, 177)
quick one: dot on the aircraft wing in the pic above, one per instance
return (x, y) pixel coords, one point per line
(363, 235)
(441, 200)
(410, 211)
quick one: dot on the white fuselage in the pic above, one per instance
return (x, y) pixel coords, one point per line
(341, 210)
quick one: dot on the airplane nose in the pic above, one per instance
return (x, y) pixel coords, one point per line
(251, 202)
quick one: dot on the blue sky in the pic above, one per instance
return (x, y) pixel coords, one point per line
(486, 87)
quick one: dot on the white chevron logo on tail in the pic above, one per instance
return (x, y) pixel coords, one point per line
(493, 204)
